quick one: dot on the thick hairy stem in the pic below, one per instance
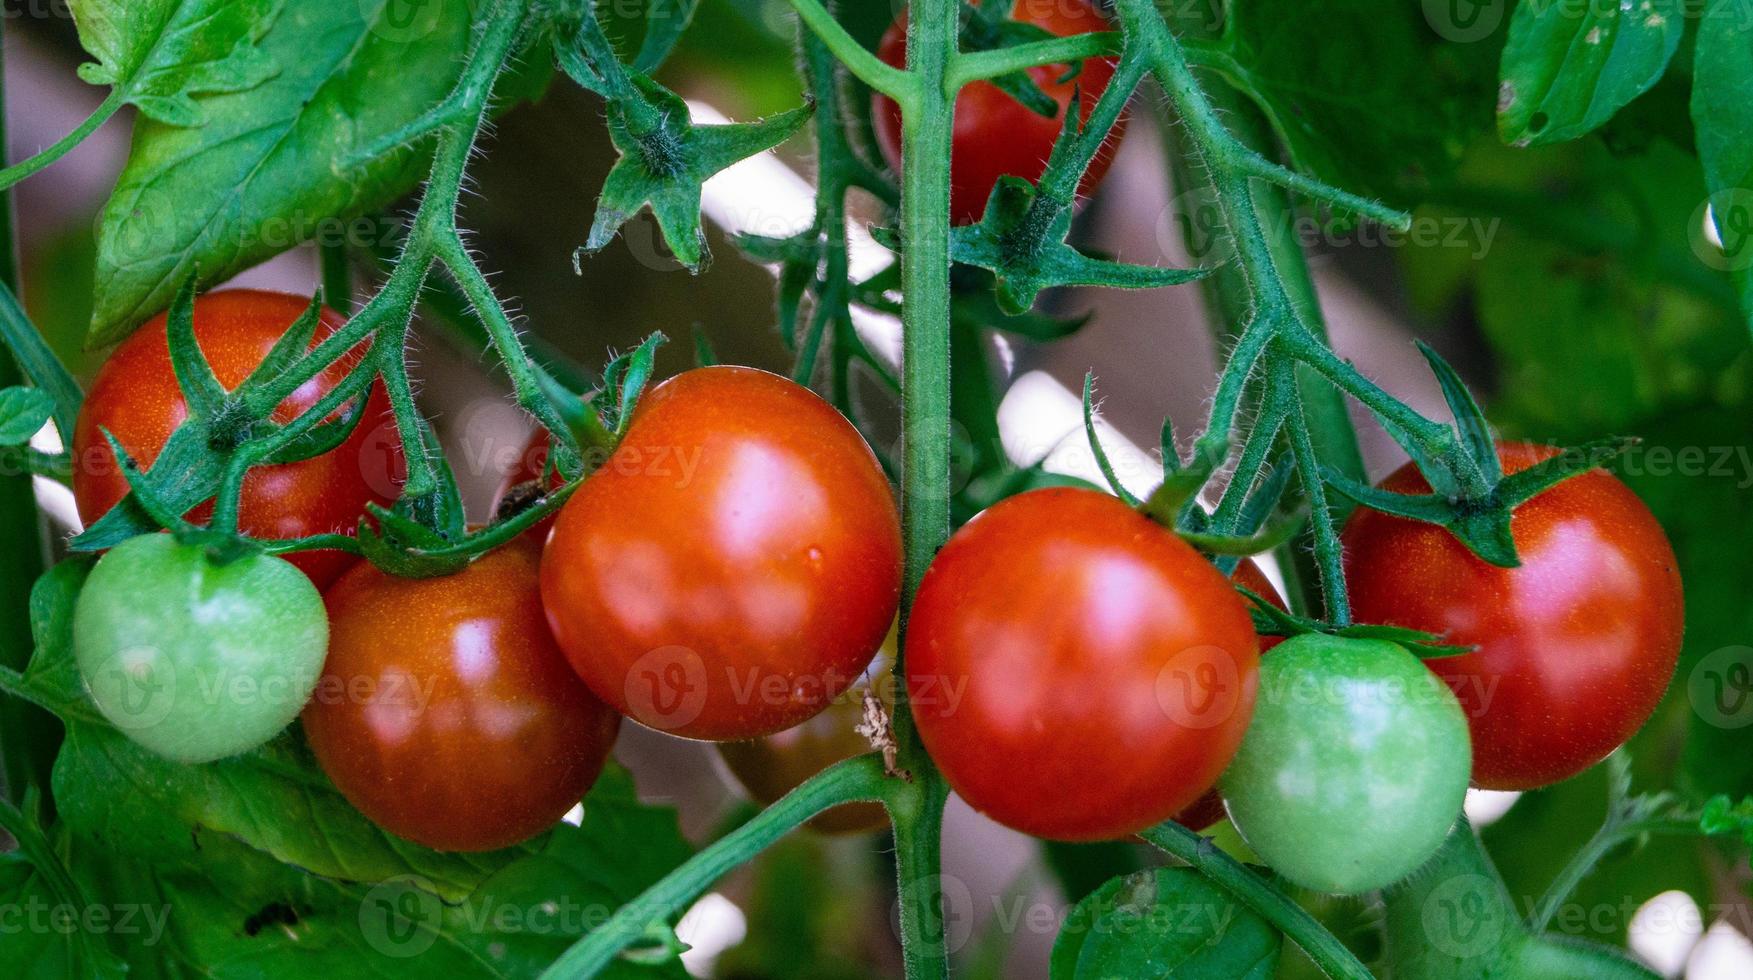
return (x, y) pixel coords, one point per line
(925, 468)
(851, 781)
(1256, 893)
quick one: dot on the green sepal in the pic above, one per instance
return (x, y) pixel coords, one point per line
(665, 159)
(1269, 620)
(984, 29)
(624, 380)
(1469, 417)
(202, 391)
(1089, 427)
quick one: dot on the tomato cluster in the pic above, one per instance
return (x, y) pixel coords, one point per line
(1076, 670)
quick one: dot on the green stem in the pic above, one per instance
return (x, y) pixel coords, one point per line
(55, 151)
(863, 64)
(976, 66)
(1585, 860)
(1256, 893)
(524, 381)
(850, 781)
(926, 127)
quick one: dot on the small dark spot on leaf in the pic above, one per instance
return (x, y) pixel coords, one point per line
(271, 914)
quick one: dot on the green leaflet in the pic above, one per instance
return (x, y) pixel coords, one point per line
(232, 911)
(1317, 69)
(1568, 67)
(22, 412)
(1164, 922)
(160, 53)
(1722, 115)
(272, 165)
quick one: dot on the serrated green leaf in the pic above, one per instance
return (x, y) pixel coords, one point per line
(22, 412)
(1567, 68)
(158, 54)
(1165, 922)
(260, 175)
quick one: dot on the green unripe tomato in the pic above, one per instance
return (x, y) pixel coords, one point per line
(1354, 767)
(196, 660)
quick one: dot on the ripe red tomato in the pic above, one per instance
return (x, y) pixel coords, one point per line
(733, 565)
(1078, 671)
(446, 713)
(1575, 647)
(996, 135)
(135, 396)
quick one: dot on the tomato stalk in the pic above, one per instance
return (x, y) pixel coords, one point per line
(926, 127)
(1256, 893)
(855, 780)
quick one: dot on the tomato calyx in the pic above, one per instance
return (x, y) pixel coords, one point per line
(1270, 620)
(1470, 495)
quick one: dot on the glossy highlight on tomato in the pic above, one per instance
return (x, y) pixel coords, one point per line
(1575, 648)
(734, 564)
(1077, 671)
(446, 713)
(135, 396)
(995, 135)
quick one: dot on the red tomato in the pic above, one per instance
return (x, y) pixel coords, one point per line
(136, 397)
(1208, 809)
(1078, 671)
(994, 134)
(733, 565)
(446, 713)
(531, 461)
(1575, 647)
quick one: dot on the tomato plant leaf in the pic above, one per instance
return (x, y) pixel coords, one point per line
(261, 174)
(234, 911)
(1722, 116)
(1567, 68)
(33, 879)
(158, 54)
(1160, 923)
(1424, 99)
(22, 412)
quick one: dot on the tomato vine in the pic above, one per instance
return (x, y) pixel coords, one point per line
(1277, 413)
